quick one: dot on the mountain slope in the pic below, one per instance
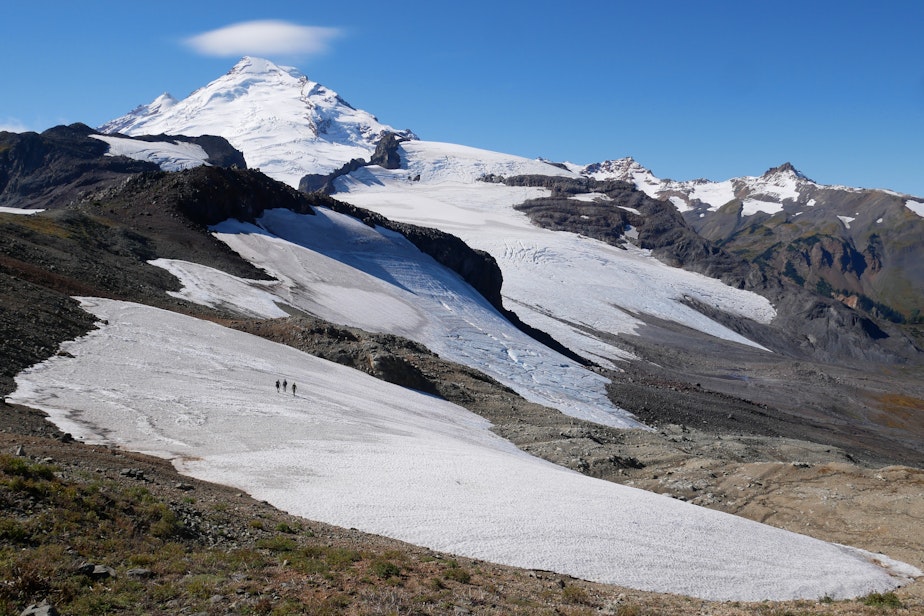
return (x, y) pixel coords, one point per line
(862, 247)
(205, 194)
(615, 304)
(287, 125)
(67, 163)
(351, 450)
(262, 108)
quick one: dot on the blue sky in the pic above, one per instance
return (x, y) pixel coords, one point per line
(689, 89)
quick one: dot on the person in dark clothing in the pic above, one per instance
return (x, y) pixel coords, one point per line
(277, 386)
(293, 389)
(284, 385)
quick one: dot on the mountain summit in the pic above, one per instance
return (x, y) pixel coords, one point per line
(299, 125)
(786, 169)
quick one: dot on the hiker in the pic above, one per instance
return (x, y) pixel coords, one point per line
(293, 389)
(284, 385)
(277, 386)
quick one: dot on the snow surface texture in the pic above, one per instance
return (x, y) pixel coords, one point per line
(341, 270)
(169, 155)
(562, 283)
(285, 124)
(915, 206)
(357, 452)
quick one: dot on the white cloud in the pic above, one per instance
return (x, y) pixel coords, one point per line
(266, 37)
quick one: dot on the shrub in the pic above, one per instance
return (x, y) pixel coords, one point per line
(341, 558)
(575, 594)
(457, 573)
(385, 569)
(889, 599)
(277, 543)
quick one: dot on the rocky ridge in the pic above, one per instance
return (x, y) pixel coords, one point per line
(856, 246)
(808, 325)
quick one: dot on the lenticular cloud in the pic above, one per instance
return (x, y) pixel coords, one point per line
(267, 37)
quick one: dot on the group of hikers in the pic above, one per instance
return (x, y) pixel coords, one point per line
(285, 385)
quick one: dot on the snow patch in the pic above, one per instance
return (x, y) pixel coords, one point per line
(20, 211)
(168, 155)
(846, 220)
(591, 197)
(354, 451)
(915, 206)
(680, 203)
(752, 206)
(713, 194)
(211, 287)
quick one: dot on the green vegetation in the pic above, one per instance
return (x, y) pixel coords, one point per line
(385, 569)
(889, 599)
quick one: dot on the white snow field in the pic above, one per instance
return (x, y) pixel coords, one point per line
(16, 210)
(168, 155)
(584, 283)
(357, 452)
(335, 267)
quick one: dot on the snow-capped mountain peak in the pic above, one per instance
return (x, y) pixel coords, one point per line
(620, 168)
(625, 169)
(786, 170)
(764, 193)
(284, 123)
(250, 65)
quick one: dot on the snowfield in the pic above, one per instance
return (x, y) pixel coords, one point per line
(586, 284)
(915, 206)
(169, 155)
(357, 452)
(335, 267)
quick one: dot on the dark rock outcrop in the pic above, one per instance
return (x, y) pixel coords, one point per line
(324, 182)
(386, 152)
(65, 163)
(385, 155)
(209, 195)
(55, 167)
(861, 247)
